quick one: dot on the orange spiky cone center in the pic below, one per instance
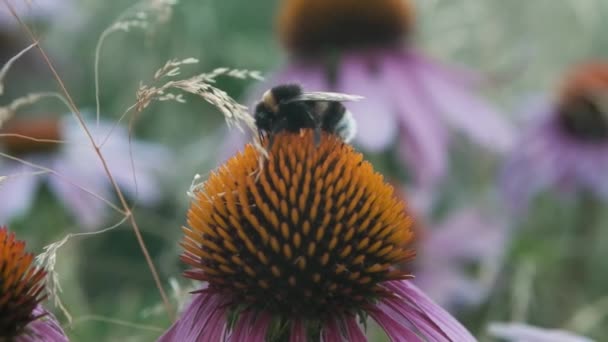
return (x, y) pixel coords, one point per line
(315, 232)
(21, 286)
(309, 27)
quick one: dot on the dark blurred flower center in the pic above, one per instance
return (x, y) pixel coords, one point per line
(585, 119)
(310, 27)
(24, 136)
(314, 235)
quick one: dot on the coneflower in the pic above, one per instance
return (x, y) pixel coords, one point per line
(302, 247)
(22, 318)
(366, 48)
(60, 144)
(566, 147)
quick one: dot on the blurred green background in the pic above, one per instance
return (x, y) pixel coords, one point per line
(525, 44)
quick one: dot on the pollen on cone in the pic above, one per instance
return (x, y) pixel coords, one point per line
(313, 232)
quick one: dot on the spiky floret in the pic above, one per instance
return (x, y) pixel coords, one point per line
(311, 26)
(314, 233)
(21, 286)
(583, 108)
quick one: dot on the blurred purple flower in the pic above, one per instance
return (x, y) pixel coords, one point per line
(356, 47)
(77, 166)
(519, 332)
(408, 315)
(465, 239)
(566, 145)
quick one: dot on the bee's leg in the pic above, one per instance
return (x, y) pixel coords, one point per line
(280, 126)
(317, 136)
(270, 141)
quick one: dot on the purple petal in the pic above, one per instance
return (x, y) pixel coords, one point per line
(519, 332)
(86, 208)
(353, 331)
(490, 236)
(135, 165)
(415, 307)
(375, 115)
(260, 327)
(331, 332)
(17, 190)
(242, 327)
(544, 158)
(423, 140)
(46, 328)
(298, 331)
(463, 109)
(203, 320)
(395, 330)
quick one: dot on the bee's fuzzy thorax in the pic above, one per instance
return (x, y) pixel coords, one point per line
(309, 27)
(315, 234)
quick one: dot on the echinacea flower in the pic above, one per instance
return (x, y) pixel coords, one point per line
(22, 318)
(302, 245)
(461, 274)
(565, 148)
(520, 332)
(365, 48)
(77, 167)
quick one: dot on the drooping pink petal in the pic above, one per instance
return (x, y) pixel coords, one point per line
(298, 331)
(260, 327)
(46, 328)
(519, 332)
(423, 138)
(243, 325)
(463, 109)
(395, 330)
(375, 115)
(204, 319)
(415, 307)
(331, 332)
(353, 331)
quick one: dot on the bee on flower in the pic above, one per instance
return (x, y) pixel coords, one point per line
(411, 101)
(303, 247)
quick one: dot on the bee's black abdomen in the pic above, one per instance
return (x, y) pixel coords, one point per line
(333, 115)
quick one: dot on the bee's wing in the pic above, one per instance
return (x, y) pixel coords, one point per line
(324, 96)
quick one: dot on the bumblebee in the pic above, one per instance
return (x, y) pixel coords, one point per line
(287, 108)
